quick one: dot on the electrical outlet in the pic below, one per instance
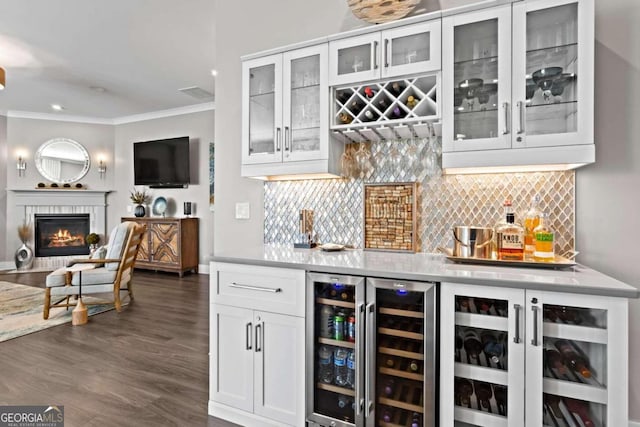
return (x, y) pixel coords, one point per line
(129, 208)
(242, 210)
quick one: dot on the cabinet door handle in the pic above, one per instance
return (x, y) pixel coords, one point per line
(370, 327)
(521, 117)
(248, 339)
(278, 138)
(258, 338)
(254, 288)
(375, 55)
(516, 338)
(506, 130)
(386, 53)
(287, 138)
(534, 340)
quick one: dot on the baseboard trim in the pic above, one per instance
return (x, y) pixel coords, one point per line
(239, 417)
(203, 269)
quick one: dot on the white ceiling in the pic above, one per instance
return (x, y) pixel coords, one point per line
(140, 51)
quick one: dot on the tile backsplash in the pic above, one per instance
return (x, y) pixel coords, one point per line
(443, 201)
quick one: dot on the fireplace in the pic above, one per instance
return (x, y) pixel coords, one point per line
(61, 234)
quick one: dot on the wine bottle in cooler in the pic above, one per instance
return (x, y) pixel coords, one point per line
(500, 393)
(573, 359)
(463, 389)
(554, 360)
(492, 348)
(388, 387)
(472, 345)
(483, 393)
(580, 409)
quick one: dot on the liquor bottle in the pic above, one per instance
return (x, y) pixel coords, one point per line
(573, 359)
(531, 221)
(554, 403)
(491, 347)
(553, 359)
(412, 101)
(472, 345)
(396, 88)
(500, 393)
(543, 236)
(345, 118)
(463, 389)
(369, 92)
(483, 393)
(581, 409)
(510, 237)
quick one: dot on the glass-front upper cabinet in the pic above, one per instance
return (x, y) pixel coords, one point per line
(285, 104)
(305, 103)
(395, 52)
(476, 80)
(262, 110)
(553, 73)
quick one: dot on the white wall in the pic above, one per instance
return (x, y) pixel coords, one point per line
(27, 135)
(200, 129)
(607, 194)
(3, 185)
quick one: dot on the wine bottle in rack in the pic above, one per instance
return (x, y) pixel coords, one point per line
(343, 96)
(388, 387)
(500, 393)
(396, 88)
(412, 101)
(483, 393)
(414, 366)
(416, 420)
(580, 409)
(371, 116)
(397, 112)
(472, 346)
(345, 118)
(493, 349)
(463, 389)
(501, 307)
(386, 415)
(553, 402)
(369, 92)
(355, 107)
(459, 344)
(382, 104)
(553, 360)
(462, 304)
(573, 359)
(483, 305)
(389, 362)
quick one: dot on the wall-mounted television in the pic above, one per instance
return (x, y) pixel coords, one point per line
(162, 163)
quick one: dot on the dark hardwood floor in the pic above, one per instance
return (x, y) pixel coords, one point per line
(145, 366)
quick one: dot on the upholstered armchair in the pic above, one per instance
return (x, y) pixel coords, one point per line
(111, 273)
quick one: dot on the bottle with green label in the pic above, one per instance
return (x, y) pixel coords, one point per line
(543, 240)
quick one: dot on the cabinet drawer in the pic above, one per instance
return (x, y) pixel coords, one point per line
(278, 290)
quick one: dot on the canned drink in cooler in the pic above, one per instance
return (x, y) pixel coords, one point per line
(351, 327)
(338, 327)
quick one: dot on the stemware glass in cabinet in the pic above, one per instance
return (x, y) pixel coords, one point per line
(305, 104)
(262, 107)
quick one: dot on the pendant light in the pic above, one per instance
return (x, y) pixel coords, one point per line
(1, 78)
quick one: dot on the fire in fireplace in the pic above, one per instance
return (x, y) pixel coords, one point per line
(61, 234)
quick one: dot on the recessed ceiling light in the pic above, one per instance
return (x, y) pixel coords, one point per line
(214, 73)
(57, 107)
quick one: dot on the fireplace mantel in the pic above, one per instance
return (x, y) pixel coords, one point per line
(62, 197)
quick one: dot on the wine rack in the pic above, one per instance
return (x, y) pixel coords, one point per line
(386, 110)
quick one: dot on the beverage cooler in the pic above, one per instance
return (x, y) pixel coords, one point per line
(371, 352)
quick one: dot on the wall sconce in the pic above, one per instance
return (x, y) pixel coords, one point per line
(21, 165)
(102, 168)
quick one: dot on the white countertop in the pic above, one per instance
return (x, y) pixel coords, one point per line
(430, 267)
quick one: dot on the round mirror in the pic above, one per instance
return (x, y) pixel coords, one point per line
(62, 160)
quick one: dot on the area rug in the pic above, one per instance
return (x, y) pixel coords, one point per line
(21, 311)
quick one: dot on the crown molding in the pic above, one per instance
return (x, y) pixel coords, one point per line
(189, 109)
(58, 117)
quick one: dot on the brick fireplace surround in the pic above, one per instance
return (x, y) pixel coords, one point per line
(94, 203)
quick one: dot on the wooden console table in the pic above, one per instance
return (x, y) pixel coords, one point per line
(169, 244)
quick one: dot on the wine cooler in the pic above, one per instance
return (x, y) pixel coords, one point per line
(371, 352)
